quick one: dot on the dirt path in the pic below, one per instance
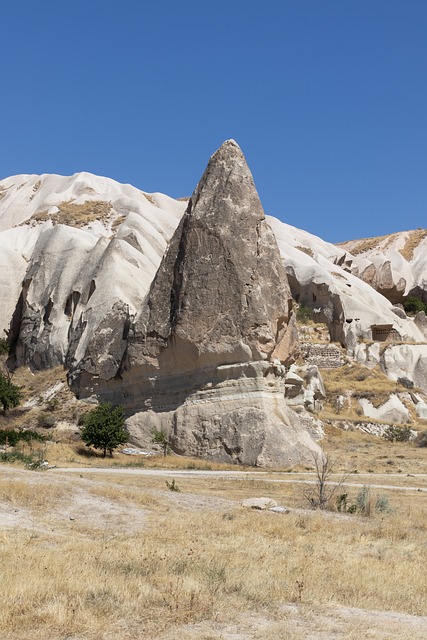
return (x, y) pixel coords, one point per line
(291, 478)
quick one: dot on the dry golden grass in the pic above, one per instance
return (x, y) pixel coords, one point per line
(33, 386)
(72, 454)
(117, 222)
(363, 245)
(76, 215)
(191, 566)
(355, 381)
(306, 250)
(149, 198)
(364, 453)
(359, 378)
(413, 240)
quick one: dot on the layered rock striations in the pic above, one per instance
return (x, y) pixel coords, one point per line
(204, 356)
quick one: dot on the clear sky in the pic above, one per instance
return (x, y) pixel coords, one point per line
(327, 99)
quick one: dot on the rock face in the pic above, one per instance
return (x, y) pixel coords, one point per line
(75, 251)
(394, 265)
(182, 313)
(199, 361)
(327, 279)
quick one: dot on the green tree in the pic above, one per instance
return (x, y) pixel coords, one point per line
(4, 346)
(160, 437)
(104, 428)
(10, 394)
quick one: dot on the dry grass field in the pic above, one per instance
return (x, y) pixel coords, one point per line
(100, 548)
(113, 554)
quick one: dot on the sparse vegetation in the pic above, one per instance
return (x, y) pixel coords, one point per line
(4, 346)
(117, 222)
(321, 493)
(412, 241)
(46, 420)
(149, 197)
(364, 244)
(76, 215)
(172, 486)
(11, 437)
(398, 434)
(304, 314)
(413, 305)
(187, 572)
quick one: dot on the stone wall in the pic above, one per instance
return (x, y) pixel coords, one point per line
(325, 356)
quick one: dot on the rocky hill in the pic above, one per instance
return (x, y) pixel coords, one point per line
(184, 311)
(395, 265)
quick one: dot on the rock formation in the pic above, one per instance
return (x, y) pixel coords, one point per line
(325, 278)
(180, 310)
(394, 265)
(204, 356)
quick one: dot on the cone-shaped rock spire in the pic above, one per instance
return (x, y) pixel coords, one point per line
(220, 294)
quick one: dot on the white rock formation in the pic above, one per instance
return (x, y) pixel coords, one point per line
(395, 265)
(391, 411)
(318, 279)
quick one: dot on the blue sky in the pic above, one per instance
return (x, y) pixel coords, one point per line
(327, 98)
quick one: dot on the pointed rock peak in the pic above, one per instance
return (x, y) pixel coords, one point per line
(221, 290)
(228, 147)
(226, 192)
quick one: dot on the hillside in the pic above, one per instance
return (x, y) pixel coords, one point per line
(176, 309)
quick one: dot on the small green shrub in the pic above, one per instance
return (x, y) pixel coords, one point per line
(10, 394)
(46, 421)
(363, 501)
(160, 437)
(398, 434)
(52, 404)
(364, 504)
(304, 313)
(172, 486)
(412, 305)
(15, 456)
(342, 502)
(382, 505)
